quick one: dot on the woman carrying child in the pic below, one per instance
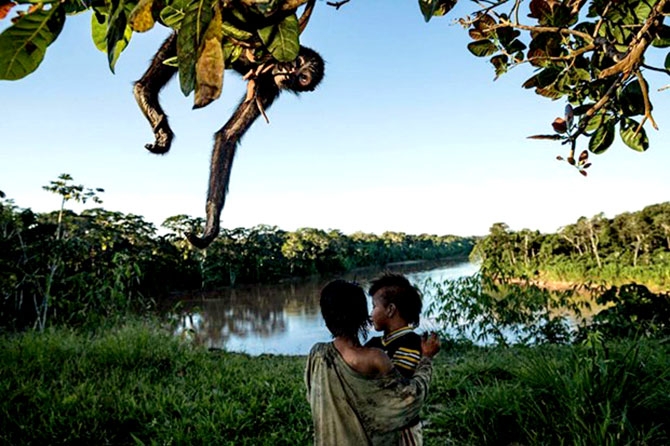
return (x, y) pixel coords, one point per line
(357, 396)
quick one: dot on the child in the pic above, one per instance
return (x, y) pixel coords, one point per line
(396, 311)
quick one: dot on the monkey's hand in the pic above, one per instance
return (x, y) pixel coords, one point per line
(148, 102)
(164, 135)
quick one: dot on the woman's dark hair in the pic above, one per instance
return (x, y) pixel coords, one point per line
(344, 307)
(397, 290)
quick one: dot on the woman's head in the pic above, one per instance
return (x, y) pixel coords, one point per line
(344, 307)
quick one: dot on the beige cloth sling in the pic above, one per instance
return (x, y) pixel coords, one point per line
(351, 409)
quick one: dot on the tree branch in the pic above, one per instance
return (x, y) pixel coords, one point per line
(647, 104)
(306, 14)
(637, 47)
(547, 29)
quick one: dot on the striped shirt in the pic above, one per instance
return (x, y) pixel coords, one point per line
(403, 346)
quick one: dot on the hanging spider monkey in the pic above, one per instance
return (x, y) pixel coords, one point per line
(302, 74)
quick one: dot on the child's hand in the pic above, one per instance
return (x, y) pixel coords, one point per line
(430, 345)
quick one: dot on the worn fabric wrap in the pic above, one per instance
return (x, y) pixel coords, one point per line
(351, 409)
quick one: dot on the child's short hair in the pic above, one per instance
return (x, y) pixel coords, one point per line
(397, 290)
(344, 307)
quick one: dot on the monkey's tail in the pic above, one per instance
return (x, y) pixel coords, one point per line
(226, 141)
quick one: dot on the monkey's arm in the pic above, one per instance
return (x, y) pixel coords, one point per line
(146, 92)
(223, 153)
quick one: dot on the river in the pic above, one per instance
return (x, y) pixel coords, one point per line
(282, 318)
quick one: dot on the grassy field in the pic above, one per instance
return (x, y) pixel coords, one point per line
(138, 385)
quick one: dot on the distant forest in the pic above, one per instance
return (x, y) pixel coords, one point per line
(631, 247)
(62, 266)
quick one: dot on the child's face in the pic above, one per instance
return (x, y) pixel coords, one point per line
(379, 313)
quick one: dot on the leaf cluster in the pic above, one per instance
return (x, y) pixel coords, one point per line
(593, 54)
(590, 53)
(212, 35)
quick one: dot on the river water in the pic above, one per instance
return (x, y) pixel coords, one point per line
(284, 318)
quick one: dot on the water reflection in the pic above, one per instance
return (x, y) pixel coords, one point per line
(283, 318)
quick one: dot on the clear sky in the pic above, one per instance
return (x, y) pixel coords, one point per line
(408, 132)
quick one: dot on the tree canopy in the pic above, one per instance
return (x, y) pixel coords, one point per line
(593, 54)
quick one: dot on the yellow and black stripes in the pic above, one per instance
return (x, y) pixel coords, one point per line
(406, 358)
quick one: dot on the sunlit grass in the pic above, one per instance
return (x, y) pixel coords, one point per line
(139, 385)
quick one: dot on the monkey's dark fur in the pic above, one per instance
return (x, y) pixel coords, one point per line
(303, 74)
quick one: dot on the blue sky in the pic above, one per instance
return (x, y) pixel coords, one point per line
(408, 132)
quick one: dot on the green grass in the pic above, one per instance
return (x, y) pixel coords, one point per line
(139, 385)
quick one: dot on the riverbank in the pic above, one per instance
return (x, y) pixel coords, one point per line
(140, 385)
(584, 287)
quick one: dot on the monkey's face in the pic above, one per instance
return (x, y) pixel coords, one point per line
(303, 74)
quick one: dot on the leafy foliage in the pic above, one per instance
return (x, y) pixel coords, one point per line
(265, 30)
(22, 46)
(633, 311)
(596, 392)
(632, 246)
(595, 54)
(590, 53)
(486, 311)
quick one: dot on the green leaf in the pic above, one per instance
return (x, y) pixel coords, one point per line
(231, 52)
(636, 141)
(595, 121)
(500, 63)
(231, 30)
(549, 92)
(667, 61)
(603, 137)
(74, 6)
(543, 79)
(581, 109)
(562, 16)
(173, 14)
(24, 44)
(631, 100)
(117, 36)
(662, 39)
(482, 48)
(435, 8)
(580, 74)
(642, 11)
(506, 36)
(282, 40)
(98, 31)
(515, 45)
(193, 26)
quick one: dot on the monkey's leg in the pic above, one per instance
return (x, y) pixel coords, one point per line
(223, 153)
(146, 92)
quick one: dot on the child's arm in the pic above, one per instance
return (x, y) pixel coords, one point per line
(408, 354)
